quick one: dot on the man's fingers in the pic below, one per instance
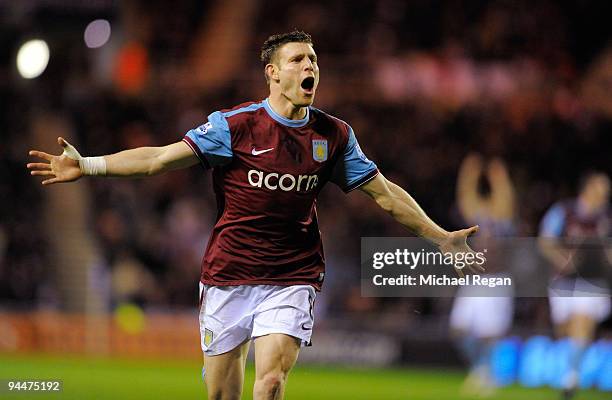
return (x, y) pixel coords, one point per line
(41, 154)
(477, 268)
(472, 230)
(39, 166)
(459, 272)
(62, 142)
(50, 181)
(45, 172)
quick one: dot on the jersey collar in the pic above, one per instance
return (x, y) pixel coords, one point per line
(293, 123)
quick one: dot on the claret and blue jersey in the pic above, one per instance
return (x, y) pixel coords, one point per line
(267, 173)
(566, 219)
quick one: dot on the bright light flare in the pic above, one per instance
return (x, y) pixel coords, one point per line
(32, 58)
(97, 33)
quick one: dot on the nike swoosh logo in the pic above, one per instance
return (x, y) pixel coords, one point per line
(258, 152)
(306, 328)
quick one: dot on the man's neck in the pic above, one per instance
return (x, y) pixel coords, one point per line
(283, 107)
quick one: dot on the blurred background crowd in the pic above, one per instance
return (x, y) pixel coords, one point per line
(423, 83)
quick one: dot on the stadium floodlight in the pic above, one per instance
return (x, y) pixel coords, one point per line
(97, 33)
(32, 58)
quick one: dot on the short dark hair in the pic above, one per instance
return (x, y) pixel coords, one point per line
(274, 42)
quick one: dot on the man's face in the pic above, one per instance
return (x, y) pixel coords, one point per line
(297, 73)
(597, 191)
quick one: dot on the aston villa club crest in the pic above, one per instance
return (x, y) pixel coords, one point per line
(319, 150)
(208, 336)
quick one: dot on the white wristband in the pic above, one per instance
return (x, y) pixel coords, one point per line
(88, 165)
(93, 165)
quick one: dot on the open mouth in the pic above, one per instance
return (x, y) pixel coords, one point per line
(308, 84)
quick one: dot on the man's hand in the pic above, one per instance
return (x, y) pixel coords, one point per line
(397, 202)
(456, 242)
(60, 168)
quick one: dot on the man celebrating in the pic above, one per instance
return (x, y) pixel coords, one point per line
(579, 298)
(264, 261)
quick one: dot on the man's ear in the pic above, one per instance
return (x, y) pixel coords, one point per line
(272, 72)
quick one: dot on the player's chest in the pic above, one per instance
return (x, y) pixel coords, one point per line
(591, 228)
(285, 151)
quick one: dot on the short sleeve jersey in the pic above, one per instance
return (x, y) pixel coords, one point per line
(267, 173)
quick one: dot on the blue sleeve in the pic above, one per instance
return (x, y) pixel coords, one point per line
(553, 222)
(353, 168)
(212, 142)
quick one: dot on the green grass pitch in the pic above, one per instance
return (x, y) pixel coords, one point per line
(160, 379)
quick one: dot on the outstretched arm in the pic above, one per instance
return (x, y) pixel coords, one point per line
(468, 198)
(143, 161)
(404, 209)
(502, 191)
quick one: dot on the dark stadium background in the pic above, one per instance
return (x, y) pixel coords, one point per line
(423, 83)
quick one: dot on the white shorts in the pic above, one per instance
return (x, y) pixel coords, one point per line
(229, 315)
(482, 317)
(565, 300)
(562, 308)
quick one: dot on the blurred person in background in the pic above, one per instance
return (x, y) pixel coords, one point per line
(264, 261)
(572, 233)
(477, 321)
